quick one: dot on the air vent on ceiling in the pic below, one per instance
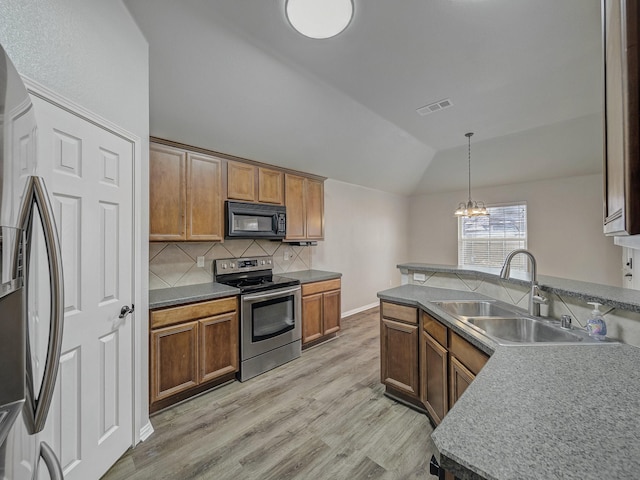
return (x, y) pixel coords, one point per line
(435, 107)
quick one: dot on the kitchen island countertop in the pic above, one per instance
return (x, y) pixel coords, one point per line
(539, 411)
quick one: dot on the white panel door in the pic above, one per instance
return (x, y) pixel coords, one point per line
(89, 173)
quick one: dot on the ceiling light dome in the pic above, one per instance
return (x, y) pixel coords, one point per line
(319, 18)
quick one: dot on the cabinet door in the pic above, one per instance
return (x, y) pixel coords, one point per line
(218, 346)
(314, 205)
(459, 379)
(167, 194)
(399, 356)
(174, 360)
(204, 200)
(433, 367)
(241, 182)
(621, 37)
(270, 188)
(311, 318)
(331, 311)
(294, 201)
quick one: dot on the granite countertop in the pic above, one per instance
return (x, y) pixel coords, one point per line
(310, 276)
(168, 297)
(617, 297)
(565, 411)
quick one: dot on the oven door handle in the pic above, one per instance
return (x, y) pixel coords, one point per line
(265, 296)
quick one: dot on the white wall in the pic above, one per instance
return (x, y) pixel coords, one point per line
(564, 222)
(365, 238)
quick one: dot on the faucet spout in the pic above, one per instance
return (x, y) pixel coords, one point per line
(535, 297)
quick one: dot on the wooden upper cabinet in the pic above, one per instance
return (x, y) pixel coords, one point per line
(304, 199)
(621, 40)
(241, 181)
(185, 195)
(295, 203)
(270, 186)
(167, 193)
(204, 199)
(315, 209)
(249, 183)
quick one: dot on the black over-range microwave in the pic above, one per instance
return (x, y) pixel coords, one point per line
(255, 220)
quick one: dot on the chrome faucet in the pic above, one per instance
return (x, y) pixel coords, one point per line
(535, 297)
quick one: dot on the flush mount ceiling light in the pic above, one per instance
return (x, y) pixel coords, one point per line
(319, 18)
(471, 208)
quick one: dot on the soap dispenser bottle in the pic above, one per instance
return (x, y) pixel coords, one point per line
(596, 327)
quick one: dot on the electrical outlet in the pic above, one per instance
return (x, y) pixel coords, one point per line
(200, 261)
(419, 277)
(287, 254)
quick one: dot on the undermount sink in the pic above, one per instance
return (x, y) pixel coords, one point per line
(508, 326)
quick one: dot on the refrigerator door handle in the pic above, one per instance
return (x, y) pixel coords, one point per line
(51, 461)
(36, 409)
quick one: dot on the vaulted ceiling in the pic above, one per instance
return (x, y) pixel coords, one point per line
(524, 75)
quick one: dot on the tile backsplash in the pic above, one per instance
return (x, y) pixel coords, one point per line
(175, 264)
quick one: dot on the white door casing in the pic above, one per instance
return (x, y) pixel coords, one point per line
(89, 172)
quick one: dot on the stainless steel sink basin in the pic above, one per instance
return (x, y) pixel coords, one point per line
(509, 325)
(525, 330)
(475, 308)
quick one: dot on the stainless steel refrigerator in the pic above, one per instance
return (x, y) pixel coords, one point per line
(31, 291)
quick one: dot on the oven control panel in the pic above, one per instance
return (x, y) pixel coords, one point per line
(244, 264)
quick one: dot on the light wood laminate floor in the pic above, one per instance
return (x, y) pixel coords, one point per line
(322, 416)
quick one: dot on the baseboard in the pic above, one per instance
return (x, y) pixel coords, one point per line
(146, 431)
(359, 309)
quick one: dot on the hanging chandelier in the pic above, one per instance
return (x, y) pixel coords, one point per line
(471, 208)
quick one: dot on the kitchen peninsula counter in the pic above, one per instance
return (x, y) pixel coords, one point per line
(538, 411)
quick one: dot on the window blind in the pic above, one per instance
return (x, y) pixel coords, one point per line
(486, 241)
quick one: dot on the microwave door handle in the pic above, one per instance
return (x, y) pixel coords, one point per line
(265, 296)
(37, 409)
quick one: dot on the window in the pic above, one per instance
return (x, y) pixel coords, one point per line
(486, 241)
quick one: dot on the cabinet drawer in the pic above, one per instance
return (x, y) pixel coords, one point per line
(400, 312)
(470, 356)
(173, 315)
(317, 287)
(435, 329)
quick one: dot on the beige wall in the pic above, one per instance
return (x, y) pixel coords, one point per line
(365, 238)
(564, 221)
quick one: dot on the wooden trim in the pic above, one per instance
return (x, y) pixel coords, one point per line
(470, 356)
(227, 156)
(319, 287)
(173, 315)
(434, 328)
(402, 313)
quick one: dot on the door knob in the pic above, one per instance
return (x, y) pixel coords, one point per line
(126, 310)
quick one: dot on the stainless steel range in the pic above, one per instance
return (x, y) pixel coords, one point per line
(270, 313)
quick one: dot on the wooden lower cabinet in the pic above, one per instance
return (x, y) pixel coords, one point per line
(399, 362)
(174, 360)
(321, 311)
(460, 378)
(433, 363)
(192, 348)
(448, 365)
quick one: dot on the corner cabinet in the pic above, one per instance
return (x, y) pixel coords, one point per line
(304, 199)
(621, 42)
(320, 311)
(185, 201)
(399, 351)
(192, 348)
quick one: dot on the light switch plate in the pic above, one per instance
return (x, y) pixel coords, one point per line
(419, 277)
